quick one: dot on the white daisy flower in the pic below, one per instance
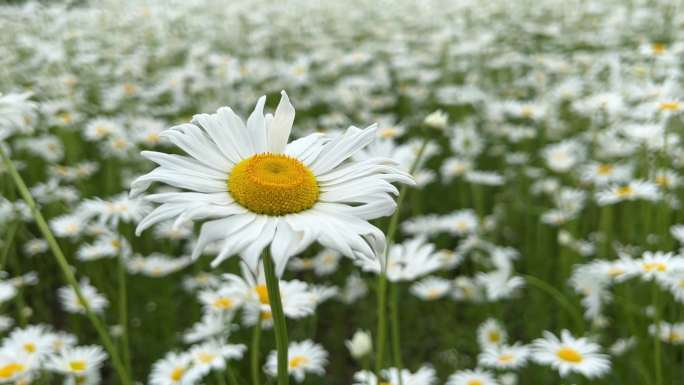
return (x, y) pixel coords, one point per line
(77, 360)
(174, 369)
(431, 288)
(491, 334)
(303, 357)
(504, 356)
(569, 354)
(96, 301)
(213, 354)
(426, 375)
(472, 377)
(265, 191)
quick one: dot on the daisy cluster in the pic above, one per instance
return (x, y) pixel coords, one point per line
(501, 180)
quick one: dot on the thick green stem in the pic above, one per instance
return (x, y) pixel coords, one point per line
(279, 325)
(254, 352)
(105, 338)
(7, 244)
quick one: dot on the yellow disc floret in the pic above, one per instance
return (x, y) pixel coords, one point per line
(273, 184)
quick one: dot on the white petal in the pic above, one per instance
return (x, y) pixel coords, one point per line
(279, 130)
(256, 128)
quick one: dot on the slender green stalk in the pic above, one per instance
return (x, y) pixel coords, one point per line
(66, 269)
(123, 312)
(254, 352)
(658, 367)
(219, 378)
(279, 325)
(396, 337)
(382, 277)
(559, 297)
(231, 376)
(7, 244)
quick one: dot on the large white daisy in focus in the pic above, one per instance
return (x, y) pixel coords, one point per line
(259, 190)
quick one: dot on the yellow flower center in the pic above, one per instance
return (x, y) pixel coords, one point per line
(506, 358)
(474, 381)
(177, 374)
(569, 355)
(298, 361)
(658, 48)
(673, 105)
(262, 292)
(273, 184)
(223, 303)
(77, 366)
(10, 370)
(662, 181)
(205, 357)
(604, 169)
(624, 192)
(654, 266)
(494, 336)
(30, 347)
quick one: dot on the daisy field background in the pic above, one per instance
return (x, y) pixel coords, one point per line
(446, 192)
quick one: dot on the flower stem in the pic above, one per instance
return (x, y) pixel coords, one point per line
(382, 277)
(394, 314)
(231, 376)
(66, 269)
(254, 351)
(656, 338)
(279, 325)
(123, 312)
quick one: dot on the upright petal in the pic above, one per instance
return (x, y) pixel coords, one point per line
(279, 130)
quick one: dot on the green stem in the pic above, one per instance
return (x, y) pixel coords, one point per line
(219, 378)
(279, 325)
(254, 351)
(656, 339)
(396, 338)
(123, 312)
(559, 297)
(66, 268)
(231, 376)
(9, 240)
(382, 277)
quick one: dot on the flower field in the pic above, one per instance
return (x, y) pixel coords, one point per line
(342, 193)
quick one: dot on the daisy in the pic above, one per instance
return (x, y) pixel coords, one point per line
(211, 325)
(213, 355)
(174, 369)
(569, 354)
(15, 365)
(491, 334)
(426, 375)
(33, 340)
(408, 261)
(657, 265)
(360, 344)
(303, 357)
(77, 360)
(471, 377)
(224, 299)
(71, 303)
(633, 190)
(260, 190)
(504, 356)
(669, 333)
(431, 288)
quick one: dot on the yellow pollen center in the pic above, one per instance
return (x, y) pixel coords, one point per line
(77, 366)
(658, 48)
(223, 303)
(273, 184)
(670, 106)
(262, 292)
(505, 358)
(30, 347)
(177, 374)
(205, 357)
(10, 370)
(569, 355)
(474, 381)
(298, 361)
(625, 191)
(662, 181)
(654, 266)
(604, 169)
(494, 337)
